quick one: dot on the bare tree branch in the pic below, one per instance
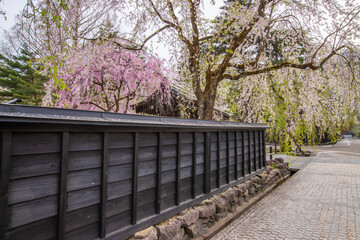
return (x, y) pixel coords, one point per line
(310, 65)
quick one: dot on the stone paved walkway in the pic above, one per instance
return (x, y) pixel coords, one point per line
(322, 201)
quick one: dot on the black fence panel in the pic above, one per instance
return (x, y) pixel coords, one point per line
(69, 174)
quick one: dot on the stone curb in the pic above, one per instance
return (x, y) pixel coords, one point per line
(207, 218)
(224, 222)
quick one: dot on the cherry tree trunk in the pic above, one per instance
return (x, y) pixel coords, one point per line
(206, 102)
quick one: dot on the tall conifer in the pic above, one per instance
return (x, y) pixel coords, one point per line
(19, 79)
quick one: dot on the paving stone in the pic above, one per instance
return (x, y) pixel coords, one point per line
(322, 201)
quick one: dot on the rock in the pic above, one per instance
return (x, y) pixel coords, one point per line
(248, 184)
(206, 220)
(257, 180)
(242, 189)
(232, 208)
(221, 203)
(229, 195)
(240, 201)
(220, 215)
(186, 237)
(209, 224)
(247, 198)
(257, 188)
(188, 217)
(274, 173)
(207, 209)
(279, 166)
(251, 191)
(149, 233)
(269, 169)
(263, 175)
(194, 230)
(307, 153)
(168, 229)
(206, 202)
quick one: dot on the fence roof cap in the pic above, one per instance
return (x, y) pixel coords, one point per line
(33, 114)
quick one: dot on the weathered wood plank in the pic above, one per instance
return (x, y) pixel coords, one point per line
(213, 179)
(35, 143)
(118, 205)
(170, 138)
(168, 202)
(23, 166)
(200, 146)
(168, 189)
(168, 164)
(187, 138)
(121, 140)
(147, 168)
(147, 153)
(186, 195)
(43, 229)
(146, 210)
(146, 196)
(85, 141)
(32, 188)
(186, 148)
(200, 158)
(82, 217)
(121, 156)
(90, 231)
(31, 211)
(119, 172)
(83, 198)
(186, 172)
(118, 221)
(83, 179)
(148, 139)
(146, 182)
(84, 160)
(201, 138)
(168, 177)
(168, 151)
(200, 169)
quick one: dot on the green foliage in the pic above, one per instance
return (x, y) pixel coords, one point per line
(19, 79)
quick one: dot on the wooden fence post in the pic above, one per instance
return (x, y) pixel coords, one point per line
(207, 162)
(135, 178)
(4, 180)
(104, 185)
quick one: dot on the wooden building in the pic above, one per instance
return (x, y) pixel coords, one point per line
(178, 102)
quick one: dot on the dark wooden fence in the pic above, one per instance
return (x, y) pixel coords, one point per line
(69, 174)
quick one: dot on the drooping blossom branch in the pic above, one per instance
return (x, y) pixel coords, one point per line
(107, 78)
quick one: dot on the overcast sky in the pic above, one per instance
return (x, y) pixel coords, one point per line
(13, 7)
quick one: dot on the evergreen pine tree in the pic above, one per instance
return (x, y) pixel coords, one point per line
(19, 79)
